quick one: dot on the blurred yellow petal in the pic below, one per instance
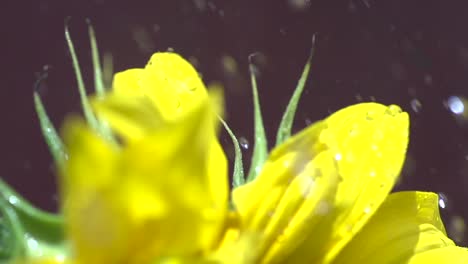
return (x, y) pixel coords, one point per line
(163, 193)
(369, 141)
(347, 164)
(407, 225)
(128, 81)
(168, 80)
(448, 255)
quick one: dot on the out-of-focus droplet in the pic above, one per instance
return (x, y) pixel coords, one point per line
(393, 110)
(156, 28)
(456, 105)
(244, 143)
(416, 105)
(298, 5)
(428, 79)
(323, 208)
(143, 39)
(338, 156)
(443, 201)
(200, 5)
(358, 98)
(456, 228)
(229, 65)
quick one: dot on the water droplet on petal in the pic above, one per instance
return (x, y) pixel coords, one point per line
(244, 143)
(323, 208)
(367, 209)
(338, 156)
(393, 110)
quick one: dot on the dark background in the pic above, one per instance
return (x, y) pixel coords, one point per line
(411, 53)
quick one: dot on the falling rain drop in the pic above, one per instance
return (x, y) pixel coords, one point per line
(443, 201)
(456, 105)
(416, 105)
(244, 143)
(457, 228)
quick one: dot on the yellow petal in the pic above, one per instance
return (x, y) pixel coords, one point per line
(296, 186)
(448, 255)
(128, 81)
(406, 226)
(131, 204)
(169, 81)
(356, 154)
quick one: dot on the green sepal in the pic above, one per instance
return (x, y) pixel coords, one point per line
(27, 231)
(53, 141)
(238, 171)
(100, 127)
(98, 77)
(88, 112)
(260, 148)
(284, 129)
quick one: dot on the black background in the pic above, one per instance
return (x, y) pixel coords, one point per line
(393, 51)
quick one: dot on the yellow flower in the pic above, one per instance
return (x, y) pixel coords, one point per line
(161, 194)
(322, 196)
(157, 195)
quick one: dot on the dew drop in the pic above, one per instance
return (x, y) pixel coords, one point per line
(393, 110)
(244, 143)
(323, 208)
(13, 200)
(416, 105)
(370, 115)
(338, 156)
(367, 209)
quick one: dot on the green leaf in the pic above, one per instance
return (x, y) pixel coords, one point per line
(260, 148)
(56, 147)
(284, 130)
(28, 231)
(238, 174)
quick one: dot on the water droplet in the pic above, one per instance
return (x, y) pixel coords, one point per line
(338, 156)
(244, 143)
(443, 201)
(307, 186)
(299, 5)
(416, 105)
(428, 79)
(370, 115)
(456, 105)
(368, 209)
(323, 208)
(13, 200)
(372, 173)
(457, 228)
(393, 110)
